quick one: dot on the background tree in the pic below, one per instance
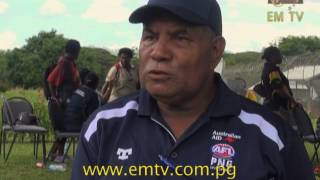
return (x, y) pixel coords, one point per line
(241, 58)
(24, 69)
(97, 60)
(25, 66)
(4, 83)
(294, 45)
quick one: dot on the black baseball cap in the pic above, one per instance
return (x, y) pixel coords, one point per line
(201, 12)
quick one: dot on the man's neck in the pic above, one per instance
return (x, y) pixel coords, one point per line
(69, 57)
(180, 116)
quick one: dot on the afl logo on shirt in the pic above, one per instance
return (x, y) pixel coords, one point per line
(223, 151)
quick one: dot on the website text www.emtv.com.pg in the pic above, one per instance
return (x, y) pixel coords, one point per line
(158, 170)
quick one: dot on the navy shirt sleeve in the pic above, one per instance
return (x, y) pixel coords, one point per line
(86, 155)
(92, 104)
(295, 158)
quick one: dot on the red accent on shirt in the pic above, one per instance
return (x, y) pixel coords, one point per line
(57, 76)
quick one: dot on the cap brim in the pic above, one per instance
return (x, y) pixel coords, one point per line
(143, 13)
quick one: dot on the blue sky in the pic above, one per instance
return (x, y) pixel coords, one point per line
(103, 23)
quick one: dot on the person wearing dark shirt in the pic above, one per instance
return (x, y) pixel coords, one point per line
(65, 78)
(185, 116)
(83, 74)
(62, 81)
(278, 91)
(84, 101)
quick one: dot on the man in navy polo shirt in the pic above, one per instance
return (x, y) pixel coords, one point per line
(185, 115)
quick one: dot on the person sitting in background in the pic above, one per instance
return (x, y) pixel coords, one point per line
(83, 74)
(84, 101)
(122, 78)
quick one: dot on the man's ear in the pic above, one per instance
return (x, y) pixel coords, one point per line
(218, 45)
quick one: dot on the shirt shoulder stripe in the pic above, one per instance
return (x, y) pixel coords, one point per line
(265, 127)
(109, 114)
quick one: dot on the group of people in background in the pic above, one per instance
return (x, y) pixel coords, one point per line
(72, 93)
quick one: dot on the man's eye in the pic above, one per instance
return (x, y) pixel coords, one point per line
(182, 38)
(148, 37)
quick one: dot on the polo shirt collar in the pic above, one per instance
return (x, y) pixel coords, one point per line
(225, 102)
(146, 103)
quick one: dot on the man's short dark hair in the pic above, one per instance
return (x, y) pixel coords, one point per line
(125, 51)
(91, 80)
(269, 51)
(72, 47)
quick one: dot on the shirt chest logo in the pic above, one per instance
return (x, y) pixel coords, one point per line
(225, 136)
(222, 155)
(123, 154)
(223, 151)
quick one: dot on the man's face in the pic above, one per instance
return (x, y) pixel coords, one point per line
(125, 58)
(277, 58)
(175, 59)
(76, 55)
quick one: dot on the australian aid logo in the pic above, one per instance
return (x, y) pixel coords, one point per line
(222, 155)
(225, 136)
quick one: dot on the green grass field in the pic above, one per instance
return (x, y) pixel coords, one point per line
(21, 165)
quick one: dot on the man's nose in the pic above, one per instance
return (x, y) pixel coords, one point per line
(161, 50)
